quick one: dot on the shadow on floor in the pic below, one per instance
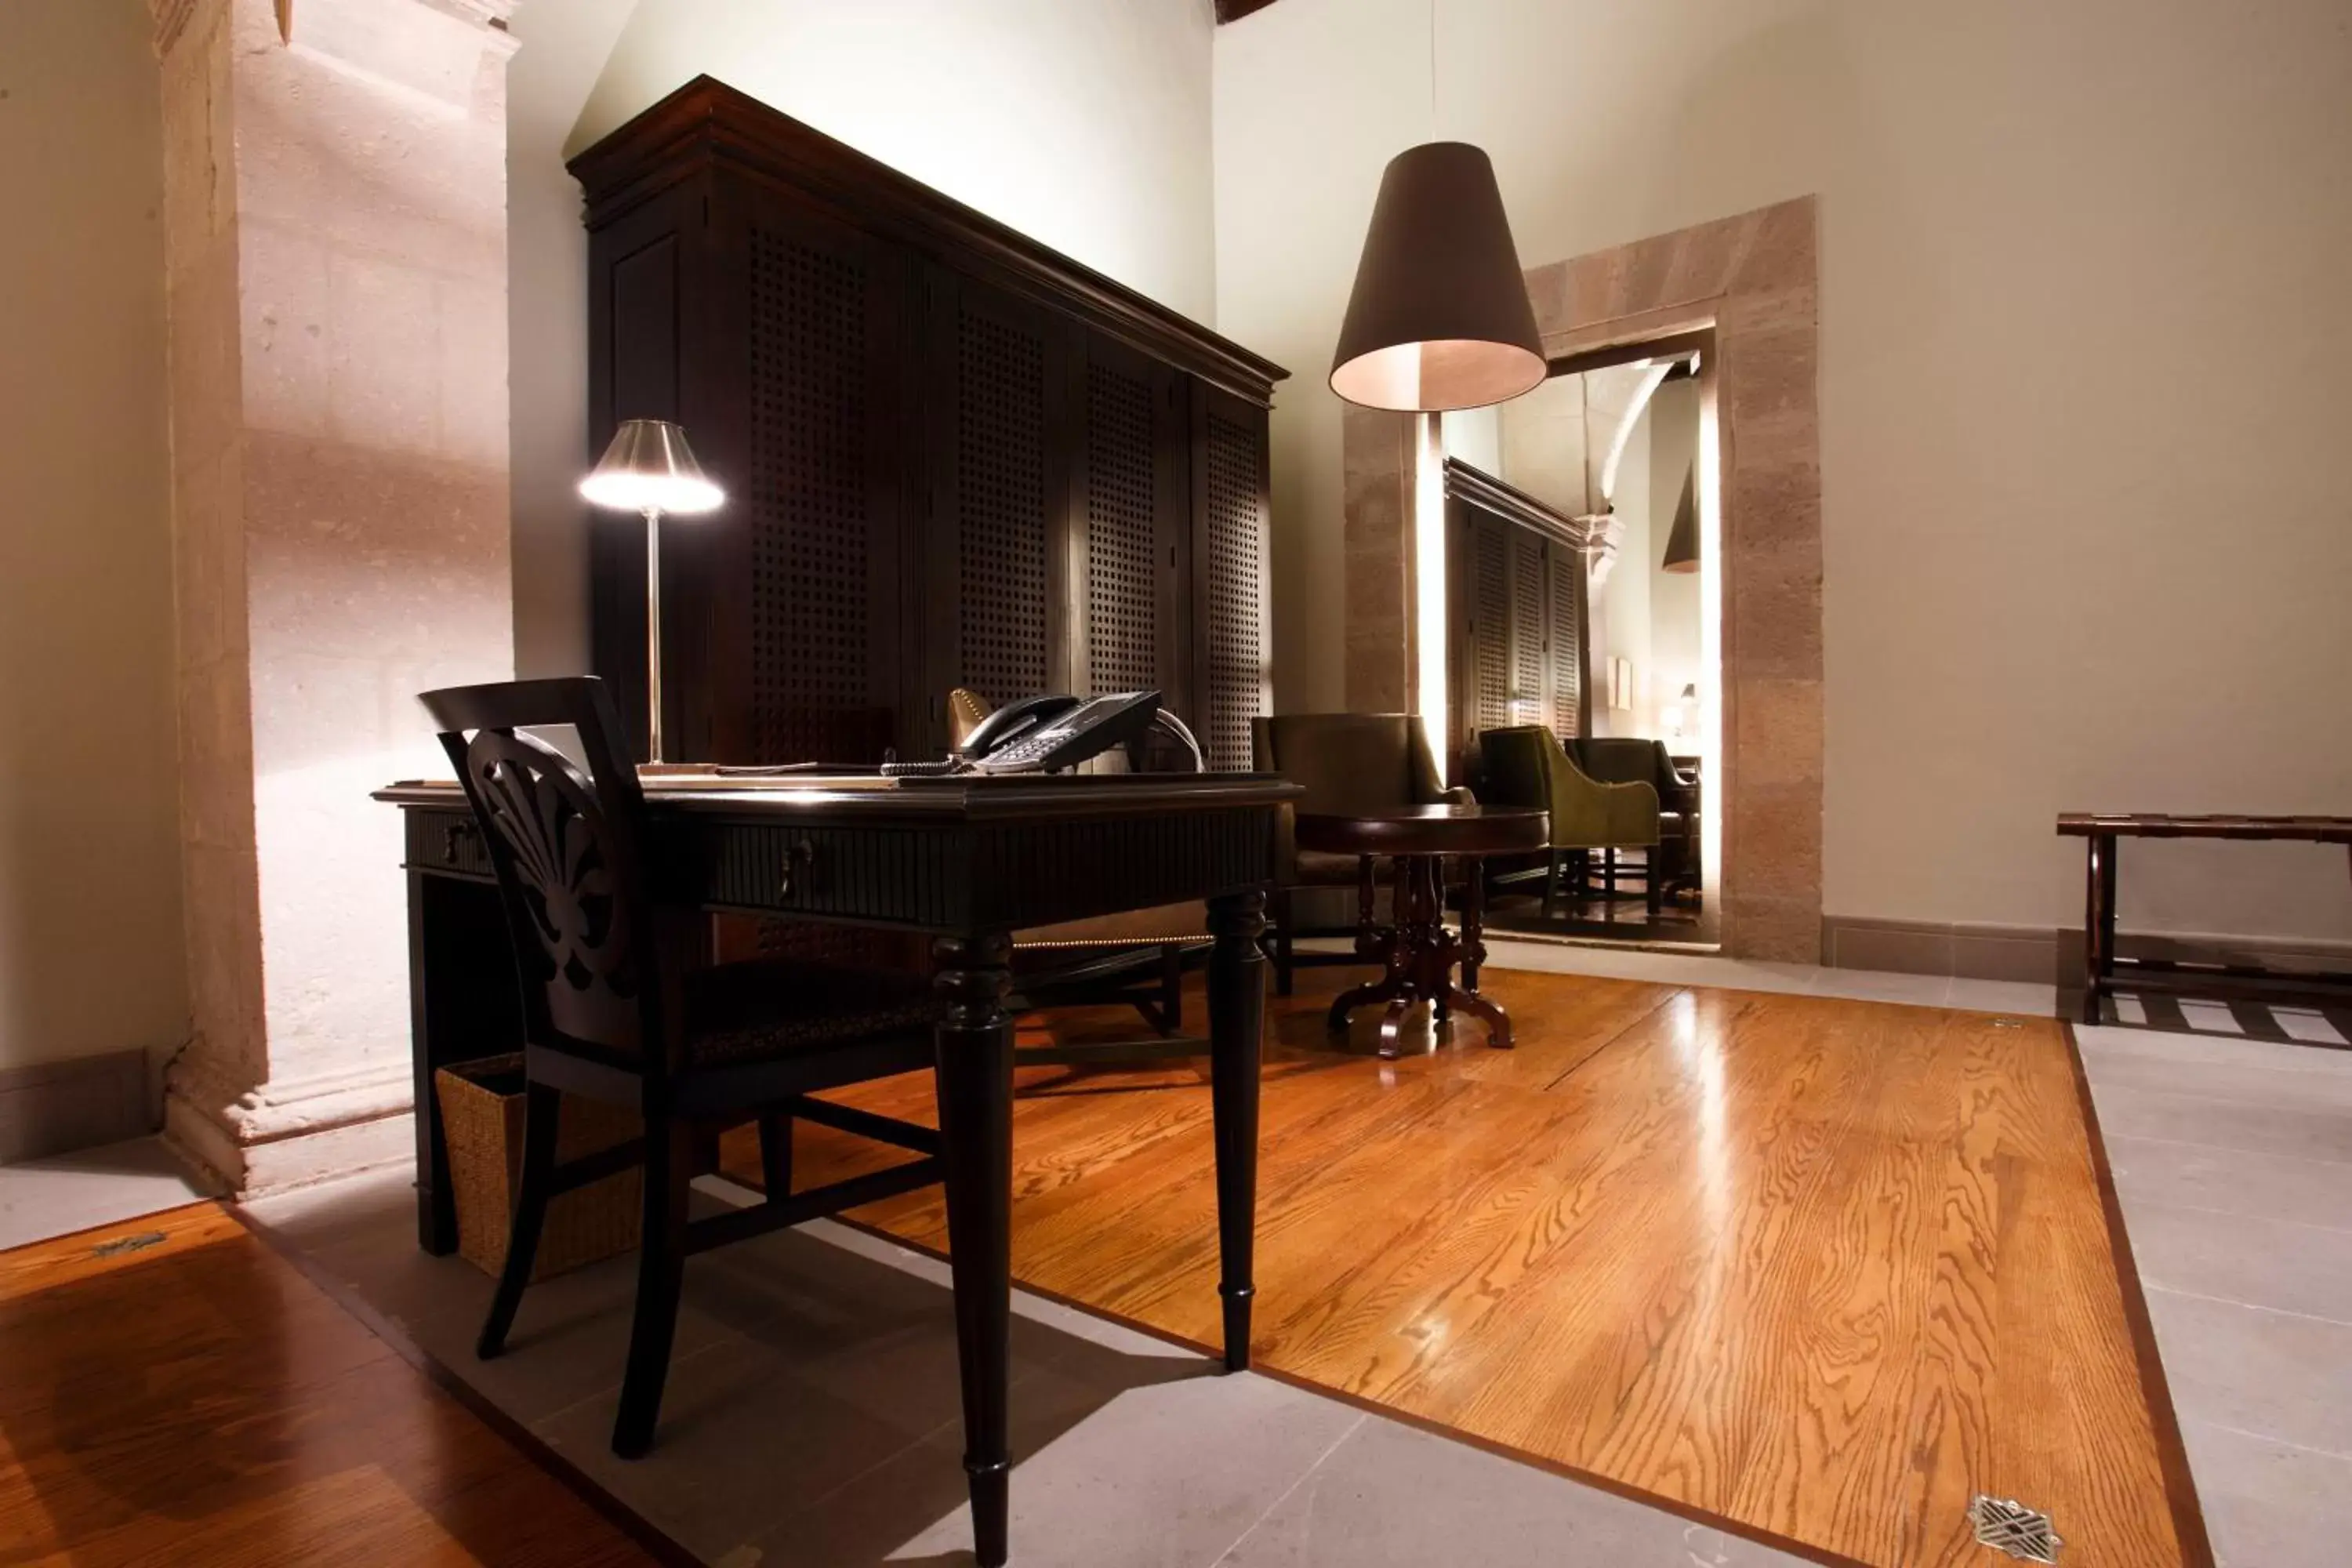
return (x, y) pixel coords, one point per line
(812, 1410)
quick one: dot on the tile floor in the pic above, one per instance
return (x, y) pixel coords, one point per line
(812, 1419)
(66, 1193)
(2233, 1160)
(1749, 975)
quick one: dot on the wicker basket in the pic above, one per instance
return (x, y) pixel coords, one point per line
(481, 1121)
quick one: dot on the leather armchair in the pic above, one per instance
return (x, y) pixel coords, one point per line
(1624, 759)
(1525, 764)
(1348, 764)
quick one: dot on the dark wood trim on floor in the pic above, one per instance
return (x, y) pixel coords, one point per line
(2172, 1451)
(657, 1543)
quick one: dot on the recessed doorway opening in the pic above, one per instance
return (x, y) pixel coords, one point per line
(1584, 641)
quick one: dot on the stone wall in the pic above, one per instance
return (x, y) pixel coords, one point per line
(335, 242)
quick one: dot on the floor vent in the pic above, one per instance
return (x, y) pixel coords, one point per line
(2007, 1525)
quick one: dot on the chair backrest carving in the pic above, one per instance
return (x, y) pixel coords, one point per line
(566, 848)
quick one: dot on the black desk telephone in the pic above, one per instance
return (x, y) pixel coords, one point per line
(1039, 734)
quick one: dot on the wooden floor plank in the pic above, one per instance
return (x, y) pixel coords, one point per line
(173, 1392)
(1825, 1268)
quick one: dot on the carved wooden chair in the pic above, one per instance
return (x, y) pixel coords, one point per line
(618, 1007)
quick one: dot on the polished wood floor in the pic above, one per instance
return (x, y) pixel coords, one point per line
(172, 1392)
(1825, 1268)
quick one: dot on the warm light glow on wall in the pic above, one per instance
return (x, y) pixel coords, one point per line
(1429, 584)
(1716, 782)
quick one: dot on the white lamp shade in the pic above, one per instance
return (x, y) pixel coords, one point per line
(648, 467)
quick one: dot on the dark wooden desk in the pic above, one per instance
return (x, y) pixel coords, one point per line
(967, 860)
(2106, 968)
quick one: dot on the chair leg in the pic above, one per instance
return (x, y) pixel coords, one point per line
(776, 1154)
(1608, 875)
(1171, 989)
(1282, 965)
(1654, 885)
(974, 1085)
(1551, 885)
(661, 1273)
(542, 1105)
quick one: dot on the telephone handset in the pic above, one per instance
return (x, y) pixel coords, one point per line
(1016, 717)
(1037, 734)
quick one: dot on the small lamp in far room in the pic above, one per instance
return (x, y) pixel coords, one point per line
(649, 469)
(1678, 717)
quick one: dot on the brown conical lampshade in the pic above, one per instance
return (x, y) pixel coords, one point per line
(1439, 318)
(1682, 543)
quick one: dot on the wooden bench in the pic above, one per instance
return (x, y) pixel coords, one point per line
(2226, 982)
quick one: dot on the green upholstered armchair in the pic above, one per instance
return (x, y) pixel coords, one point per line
(1525, 764)
(1625, 759)
(1347, 763)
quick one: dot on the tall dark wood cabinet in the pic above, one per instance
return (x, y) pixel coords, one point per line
(1518, 622)
(952, 457)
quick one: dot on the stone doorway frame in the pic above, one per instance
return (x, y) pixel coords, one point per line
(1754, 282)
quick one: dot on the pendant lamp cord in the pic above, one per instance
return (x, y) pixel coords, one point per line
(1433, 71)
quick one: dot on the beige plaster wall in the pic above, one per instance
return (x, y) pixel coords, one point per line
(2081, 326)
(89, 872)
(561, 51)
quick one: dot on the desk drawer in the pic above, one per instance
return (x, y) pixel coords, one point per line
(447, 841)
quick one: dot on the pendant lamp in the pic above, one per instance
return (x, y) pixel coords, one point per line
(1439, 318)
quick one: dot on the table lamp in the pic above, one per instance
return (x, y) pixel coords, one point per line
(649, 469)
(1679, 718)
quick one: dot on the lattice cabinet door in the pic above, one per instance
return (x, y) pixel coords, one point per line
(1517, 638)
(1486, 593)
(1564, 641)
(1129, 549)
(824, 495)
(1233, 637)
(996, 545)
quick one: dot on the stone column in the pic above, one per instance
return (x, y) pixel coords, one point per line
(335, 257)
(1382, 474)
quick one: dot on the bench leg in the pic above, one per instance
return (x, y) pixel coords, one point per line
(2098, 923)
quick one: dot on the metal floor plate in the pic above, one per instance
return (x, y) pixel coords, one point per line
(2007, 1525)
